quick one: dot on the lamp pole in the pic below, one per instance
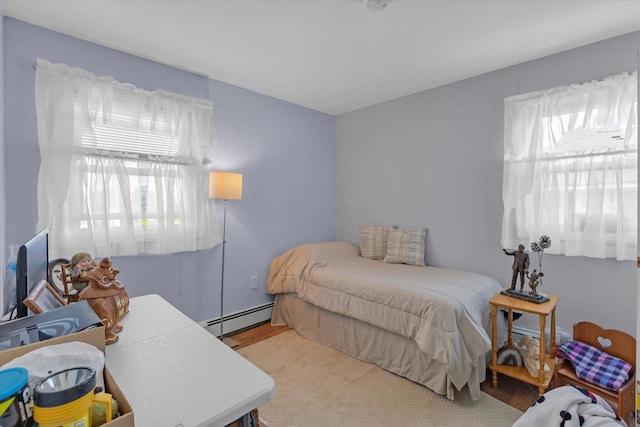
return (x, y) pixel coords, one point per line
(224, 186)
(224, 242)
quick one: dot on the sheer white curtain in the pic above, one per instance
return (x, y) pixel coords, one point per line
(121, 169)
(570, 168)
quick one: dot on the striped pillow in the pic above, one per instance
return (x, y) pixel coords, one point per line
(406, 246)
(373, 241)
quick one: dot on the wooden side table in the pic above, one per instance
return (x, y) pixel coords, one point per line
(520, 372)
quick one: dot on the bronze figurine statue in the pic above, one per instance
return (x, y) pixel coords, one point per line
(520, 265)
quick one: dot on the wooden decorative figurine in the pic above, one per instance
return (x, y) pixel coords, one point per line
(107, 297)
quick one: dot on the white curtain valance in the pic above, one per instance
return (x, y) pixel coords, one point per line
(570, 168)
(121, 167)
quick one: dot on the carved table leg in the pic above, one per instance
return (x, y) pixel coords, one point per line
(494, 345)
(542, 357)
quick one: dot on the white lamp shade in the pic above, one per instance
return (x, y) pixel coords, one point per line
(225, 185)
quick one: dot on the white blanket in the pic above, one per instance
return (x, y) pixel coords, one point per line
(569, 406)
(446, 312)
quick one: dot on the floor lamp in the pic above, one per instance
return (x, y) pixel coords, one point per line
(225, 186)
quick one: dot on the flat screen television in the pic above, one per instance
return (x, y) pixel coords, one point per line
(31, 267)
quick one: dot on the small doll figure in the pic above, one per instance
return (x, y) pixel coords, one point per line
(81, 264)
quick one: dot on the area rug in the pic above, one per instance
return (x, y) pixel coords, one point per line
(319, 386)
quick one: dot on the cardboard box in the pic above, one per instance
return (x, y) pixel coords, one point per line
(95, 337)
(50, 324)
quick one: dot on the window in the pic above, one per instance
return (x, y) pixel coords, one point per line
(570, 168)
(121, 168)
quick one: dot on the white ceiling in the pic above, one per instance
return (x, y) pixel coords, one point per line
(335, 56)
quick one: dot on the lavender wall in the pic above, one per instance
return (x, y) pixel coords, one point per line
(435, 158)
(285, 152)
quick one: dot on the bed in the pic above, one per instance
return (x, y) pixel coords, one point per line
(428, 324)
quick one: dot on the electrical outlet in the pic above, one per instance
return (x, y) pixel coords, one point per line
(254, 282)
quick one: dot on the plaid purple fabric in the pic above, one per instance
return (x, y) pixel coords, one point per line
(596, 366)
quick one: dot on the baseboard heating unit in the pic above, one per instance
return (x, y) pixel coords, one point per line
(240, 320)
(562, 336)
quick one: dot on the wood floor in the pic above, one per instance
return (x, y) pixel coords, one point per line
(512, 392)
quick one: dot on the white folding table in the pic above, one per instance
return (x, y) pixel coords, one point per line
(175, 373)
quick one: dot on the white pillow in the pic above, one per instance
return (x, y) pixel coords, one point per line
(406, 246)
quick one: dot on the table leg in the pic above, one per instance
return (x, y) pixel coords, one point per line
(509, 339)
(543, 319)
(494, 344)
(552, 350)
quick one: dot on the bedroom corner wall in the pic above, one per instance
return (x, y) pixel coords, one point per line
(285, 152)
(286, 155)
(435, 159)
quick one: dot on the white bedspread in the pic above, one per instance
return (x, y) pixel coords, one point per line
(446, 312)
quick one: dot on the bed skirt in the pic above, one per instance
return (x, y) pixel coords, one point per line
(371, 344)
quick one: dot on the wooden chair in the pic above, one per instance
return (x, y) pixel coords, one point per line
(613, 342)
(60, 273)
(72, 286)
